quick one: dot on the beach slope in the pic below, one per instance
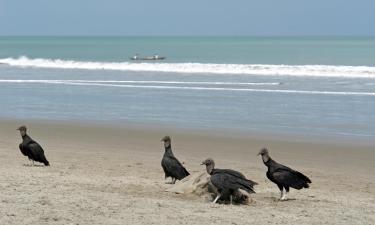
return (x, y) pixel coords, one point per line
(112, 175)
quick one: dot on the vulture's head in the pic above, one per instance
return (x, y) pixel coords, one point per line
(210, 165)
(22, 130)
(167, 141)
(264, 153)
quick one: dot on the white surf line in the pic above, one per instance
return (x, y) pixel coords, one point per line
(34, 81)
(142, 82)
(227, 89)
(201, 68)
(93, 83)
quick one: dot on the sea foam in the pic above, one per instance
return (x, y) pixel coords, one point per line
(203, 68)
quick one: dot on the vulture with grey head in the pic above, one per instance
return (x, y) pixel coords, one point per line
(171, 166)
(283, 176)
(228, 183)
(31, 148)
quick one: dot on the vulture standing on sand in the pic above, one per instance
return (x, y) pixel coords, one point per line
(31, 149)
(284, 177)
(171, 166)
(227, 182)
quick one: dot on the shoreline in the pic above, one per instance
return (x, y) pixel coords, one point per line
(112, 175)
(353, 141)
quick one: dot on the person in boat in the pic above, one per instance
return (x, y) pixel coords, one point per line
(156, 56)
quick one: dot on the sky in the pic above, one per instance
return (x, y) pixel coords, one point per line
(192, 17)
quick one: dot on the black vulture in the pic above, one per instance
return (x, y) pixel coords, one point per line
(284, 177)
(31, 148)
(171, 166)
(227, 182)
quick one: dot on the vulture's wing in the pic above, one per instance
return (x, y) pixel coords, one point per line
(234, 173)
(37, 153)
(36, 149)
(230, 172)
(175, 168)
(291, 178)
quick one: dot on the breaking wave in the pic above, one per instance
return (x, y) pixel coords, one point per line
(204, 68)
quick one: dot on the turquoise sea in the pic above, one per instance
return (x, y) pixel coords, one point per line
(278, 85)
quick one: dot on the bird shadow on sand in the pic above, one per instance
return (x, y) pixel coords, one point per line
(274, 199)
(28, 165)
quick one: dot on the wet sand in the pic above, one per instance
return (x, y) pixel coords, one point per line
(112, 175)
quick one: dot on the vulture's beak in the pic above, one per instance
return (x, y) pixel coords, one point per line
(258, 154)
(203, 163)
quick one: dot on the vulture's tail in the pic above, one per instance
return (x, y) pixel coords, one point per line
(246, 185)
(186, 172)
(45, 161)
(301, 181)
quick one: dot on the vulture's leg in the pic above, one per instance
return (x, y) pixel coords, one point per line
(217, 198)
(281, 191)
(283, 197)
(286, 192)
(169, 182)
(173, 180)
(231, 199)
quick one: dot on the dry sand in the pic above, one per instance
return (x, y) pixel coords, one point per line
(112, 175)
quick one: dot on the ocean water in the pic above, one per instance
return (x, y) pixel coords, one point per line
(286, 85)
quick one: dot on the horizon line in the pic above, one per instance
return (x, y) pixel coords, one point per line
(161, 36)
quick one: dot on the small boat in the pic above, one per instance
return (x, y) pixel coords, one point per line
(154, 57)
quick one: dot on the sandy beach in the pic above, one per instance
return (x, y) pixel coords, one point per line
(112, 175)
